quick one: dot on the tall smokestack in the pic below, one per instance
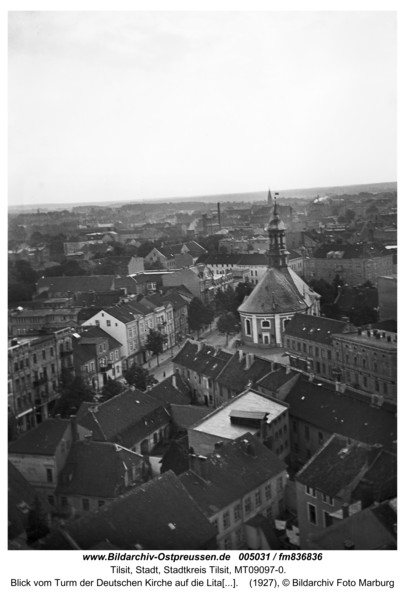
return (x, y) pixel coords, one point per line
(219, 215)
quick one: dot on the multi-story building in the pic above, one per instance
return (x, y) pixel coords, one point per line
(30, 321)
(240, 508)
(34, 368)
(354, 263)
(97, 357)
(309, 342)
(367, 360)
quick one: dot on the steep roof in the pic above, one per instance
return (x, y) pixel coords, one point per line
(315, 329)
(44, 439)
(231, 471)
(96, 469)
(159, 515)
(336, 467)
(236, 376)
(186, 416)
(170, 251)
(363, 250)
(125, 419)
(277, 292)
(171, 392)
(371, 529)
(97, 332)
(276, 379)
(83, 283)
(208, 361)
(21, 496)
(349, 414)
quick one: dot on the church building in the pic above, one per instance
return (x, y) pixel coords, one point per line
(278, 296)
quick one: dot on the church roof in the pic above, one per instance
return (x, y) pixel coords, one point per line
(280, 290)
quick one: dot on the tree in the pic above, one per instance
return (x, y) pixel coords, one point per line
(139, 377)
(37, 522)
(225, 300)
(145, 248)
(111, 388)
(155, 342)
(242, 290)
(196, 315)
(74, 391)
(208, 315)
(350, 214)
(228, 323)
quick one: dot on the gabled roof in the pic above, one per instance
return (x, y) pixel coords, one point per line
(176, 299)
(97, 332)
(140, 308)
(208, 361)
(159, 515)
(276, 379)
(337, 466)
(236, 376)
(96, 469)
(169, 392)
(349, 414)
(194, 248)
(315, 329)
(347, 251)
(231, 471)
(83, 283)
(44, 439)
(278, 292)
(371, 529)
(170, 252)
(125, 419)
(186, 416)
(122, 313)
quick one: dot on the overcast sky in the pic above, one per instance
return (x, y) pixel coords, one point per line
(124, 106)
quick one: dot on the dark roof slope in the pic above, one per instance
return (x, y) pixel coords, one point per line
(275, 380)
(349, 414)
(44, 439)
(96, 469)
(208, 361)
(172, 390)
(187, 416)
(232, 471)
(315, 329)
(83, 283)
(159, 515)
(96, 332)
(236, 376)
(21, 496)
(125, 419)
(363, 250)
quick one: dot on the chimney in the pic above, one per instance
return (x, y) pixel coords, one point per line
(345, 510)
(388, 338)
(88, 438)
(248, 448)
(349, 545)
(200, 346)
(288, 369)
(249, 360)
(218, 445)
(73, 423)
(241, 355)
(199, 465)
(174, 383)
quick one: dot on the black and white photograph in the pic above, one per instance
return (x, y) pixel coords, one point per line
(202, 292)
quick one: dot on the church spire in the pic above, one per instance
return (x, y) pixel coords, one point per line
(278, 252)
(269, 199)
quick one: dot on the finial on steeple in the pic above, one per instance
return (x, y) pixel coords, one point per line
(275, 209)
(269, 198)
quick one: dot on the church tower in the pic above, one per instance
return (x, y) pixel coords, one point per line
(278, 252)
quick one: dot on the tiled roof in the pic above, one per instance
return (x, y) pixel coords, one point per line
(170, 251)
(381, 477)
(21, 496)
(277, 292)
(44, 439)
(236, 377)
(275, 380)
(140, 308)
(96, 469)
(167, 393)
(230, 472)
(260, 260)
(159, 515)
(97, 332)
(122, 313)
(83, 353)
(315, 329)
(194, 248)
(370, 529)
(209, 361)
(336, 467)
(125, 419)
(176, 299)
(186, 416)
(85, 283)
(349, 414)
(364, 250)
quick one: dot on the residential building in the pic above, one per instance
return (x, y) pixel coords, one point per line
(324, 486)
(354, 263)
(35, 365)
(132, 419)
(95, 473)
(167, 518)
(64, 287)
(387, 297)
(199, 365)
(309, 342)
(199, 280)
(279, 295)
(232, 502)
(367, 360)
(250, 412)
(96, 356)
(40, 454)
(31, 321)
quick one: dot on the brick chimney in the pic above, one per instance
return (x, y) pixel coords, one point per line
(249, 360)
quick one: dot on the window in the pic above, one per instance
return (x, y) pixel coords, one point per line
(108, 323)
(320, 438)
(49, 475)
(299, 346)
(51, 351)
(327, 499)
(304, 347)
(63, 501)
(227, 542)
(85, 504)
(310, 491)
(248, 505)
(365, 381)
(215, 523)
(101, 503)
(44, 354)
(237, 512)
(312, 514)
(385, 387)
(266, 324)
(327, 519)
(279, 484)
(329, 355)
(240, 536)
(267, 491)
(294, 424)
(258, 498)
(34, 358)
(248, 327)
(377, 386)
(226, 520)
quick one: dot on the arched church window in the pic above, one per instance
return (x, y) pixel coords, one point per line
(248, 327)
